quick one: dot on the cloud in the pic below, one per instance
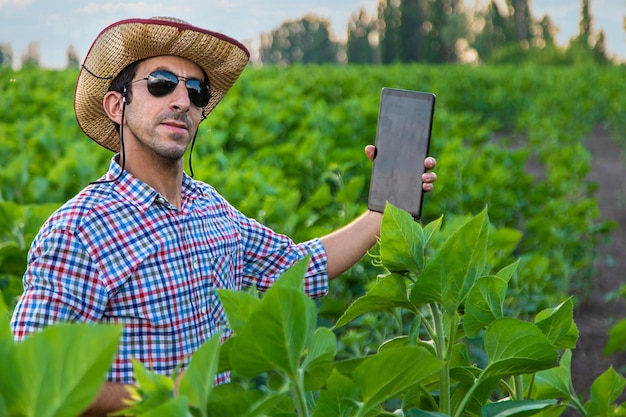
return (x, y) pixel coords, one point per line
(108, 8)
(16, 3)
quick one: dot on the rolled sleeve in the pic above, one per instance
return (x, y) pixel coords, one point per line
(268, 254)
(60, 285)
(316, 279)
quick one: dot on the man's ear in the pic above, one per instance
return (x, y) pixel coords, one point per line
(113, 104)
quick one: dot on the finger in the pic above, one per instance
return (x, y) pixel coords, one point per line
(370, 151)
(430, 162)
(429, 177)
(427, 186)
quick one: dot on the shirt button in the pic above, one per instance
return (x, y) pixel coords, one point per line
(204, 309)
(195, 265)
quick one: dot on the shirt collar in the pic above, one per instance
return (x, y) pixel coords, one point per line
(141, 194)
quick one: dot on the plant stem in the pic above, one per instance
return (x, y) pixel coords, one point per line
(509, 389)
(299, 396)
(429, 397)
(578, 405)
(468, 395)
(531, 385)
(519, 387)
(429, 328)
(442, 355)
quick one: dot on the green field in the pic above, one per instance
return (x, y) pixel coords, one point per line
(286, 147)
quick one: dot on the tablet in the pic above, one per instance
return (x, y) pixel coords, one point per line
(402, 143)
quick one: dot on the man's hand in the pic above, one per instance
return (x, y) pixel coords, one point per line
(428, 178)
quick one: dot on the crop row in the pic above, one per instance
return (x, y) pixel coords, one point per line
(286, 147)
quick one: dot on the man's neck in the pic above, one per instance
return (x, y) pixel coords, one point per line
(166, 178)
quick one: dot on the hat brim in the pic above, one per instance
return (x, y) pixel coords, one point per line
(221, 57)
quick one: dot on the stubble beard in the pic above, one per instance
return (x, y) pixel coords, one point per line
(168, 147)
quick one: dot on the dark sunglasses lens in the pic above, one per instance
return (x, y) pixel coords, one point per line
(199, 93)
(161, 83)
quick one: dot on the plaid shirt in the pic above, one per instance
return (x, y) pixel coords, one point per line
(120, 253)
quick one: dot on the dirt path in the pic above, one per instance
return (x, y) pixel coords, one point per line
(594, 317)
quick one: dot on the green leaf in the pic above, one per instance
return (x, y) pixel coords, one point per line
(287, 318)
(294, 276)
(350, 192)
(5, 319)
(173, 407)
(224, 362)
(152, 391)
(558, 325)
(466, 375)
(60, 369)
(556, 382)
(12, 259)
(339, 398)
(401, 241)
(3, 407)
(198, 380)
(238, 306)
(9, 213)
(11, 377)
(479, 393)
(521, 408)
(604, 391)
(431, 229)
(617, 338)
(388, 373)
(153, 384)
(232, 401)
(461, 367)
(503, 242)
(423, 413)
(515, 347)
(389, 292)
(322, 197)
(320, 358)
(347, 366)
(451, 273)
(484, 304)
(35, 216)
(508, 271)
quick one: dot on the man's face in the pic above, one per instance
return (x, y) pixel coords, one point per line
(162, 126)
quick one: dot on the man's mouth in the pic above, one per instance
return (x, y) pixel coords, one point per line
(176, 124)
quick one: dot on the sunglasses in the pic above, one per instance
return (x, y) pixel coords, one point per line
(161, 83)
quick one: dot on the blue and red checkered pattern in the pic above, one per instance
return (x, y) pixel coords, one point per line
(120, 253)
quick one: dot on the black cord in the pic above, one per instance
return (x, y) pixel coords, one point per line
(193, 141)
(123, 150)
(94, 75)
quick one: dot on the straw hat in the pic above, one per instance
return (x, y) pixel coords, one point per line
(122, 43)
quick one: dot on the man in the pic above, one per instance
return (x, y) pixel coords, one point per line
(147, 245)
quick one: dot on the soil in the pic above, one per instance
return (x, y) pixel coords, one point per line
(594, 315)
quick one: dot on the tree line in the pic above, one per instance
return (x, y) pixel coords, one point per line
(429, 31)
(435, 31)
(31, 58)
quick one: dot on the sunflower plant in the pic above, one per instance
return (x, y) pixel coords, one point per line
(283, 364)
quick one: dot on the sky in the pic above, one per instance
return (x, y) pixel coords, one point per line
(57, 24)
